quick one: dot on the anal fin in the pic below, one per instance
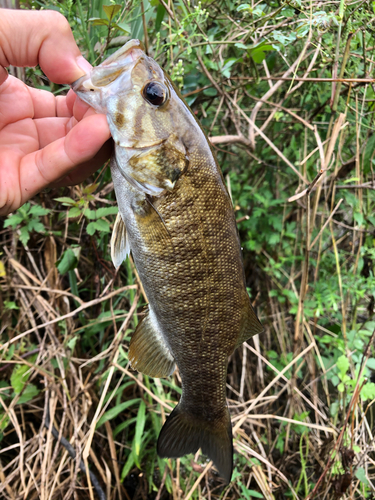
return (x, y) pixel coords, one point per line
(119, 242)
(148, 351)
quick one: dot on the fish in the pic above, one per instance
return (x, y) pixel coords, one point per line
(176, 218)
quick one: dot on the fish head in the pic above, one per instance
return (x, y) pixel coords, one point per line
(147, 117)
(138, 98)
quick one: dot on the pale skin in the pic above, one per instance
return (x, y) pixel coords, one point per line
(45, 140)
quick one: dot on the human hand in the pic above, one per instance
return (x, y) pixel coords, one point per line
(44, 140)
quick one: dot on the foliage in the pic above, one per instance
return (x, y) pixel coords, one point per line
(308, 381)
(27, 218)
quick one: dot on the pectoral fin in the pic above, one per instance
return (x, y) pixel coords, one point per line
(250, 324)
(119, 242)
(158, 168)
(148, 351)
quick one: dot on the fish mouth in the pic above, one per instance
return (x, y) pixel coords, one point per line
(106, 74)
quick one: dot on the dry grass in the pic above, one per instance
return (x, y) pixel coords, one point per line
(75, 388)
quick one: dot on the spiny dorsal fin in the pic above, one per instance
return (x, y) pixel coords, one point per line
(148, 351)
(119, 242)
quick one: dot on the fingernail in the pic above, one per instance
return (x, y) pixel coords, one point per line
(83, 64)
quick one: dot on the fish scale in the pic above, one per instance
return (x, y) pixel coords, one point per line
(177, 219)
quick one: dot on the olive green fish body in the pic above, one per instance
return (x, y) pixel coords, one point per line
(177, 219)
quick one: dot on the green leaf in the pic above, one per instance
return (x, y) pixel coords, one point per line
(245, 492)
(19, 377)
(24, 209)
(101, 225)
(139, 426)
(343, 364)
(36, 225)
(76, 249)
(67, 262)
(240, 45)
(30, 392)
(368, 391)
(10, 305)
(103, 212)
(258, 56)
(72, 343)
(258, 53)
(99, 22)
(65, 200)
(113, 412)
(13, 220)
(125, 27)
(283, 38)
(334, 408)
(90, 214)
(211, 91)
(273, 238)
(351, 180)
(90, 189)
(91, 228)
(371, 363)
(159, 17)
(38, 210)
(4, 421)
(111, 10)
(228, 64)
(124, 425)
(360, 474)
(24, 235)
(358, 217)
(74, 212)
(127, 467)
(255, 494)
(244, 6)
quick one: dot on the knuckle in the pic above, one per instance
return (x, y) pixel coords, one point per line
(58, 21)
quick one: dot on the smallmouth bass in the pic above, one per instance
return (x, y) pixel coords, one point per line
(177, 219)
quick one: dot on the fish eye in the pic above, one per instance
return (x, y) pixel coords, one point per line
(155, 93)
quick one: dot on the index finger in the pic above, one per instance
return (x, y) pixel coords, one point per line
(29, 38)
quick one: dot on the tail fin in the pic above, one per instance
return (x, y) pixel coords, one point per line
(183, 433)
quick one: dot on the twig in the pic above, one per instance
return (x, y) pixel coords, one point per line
(326, 222)
(314, 80)
(69, 448)
(69, 315)
(199, 479)
(270, 92)
(266, 389)
(356, 393)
